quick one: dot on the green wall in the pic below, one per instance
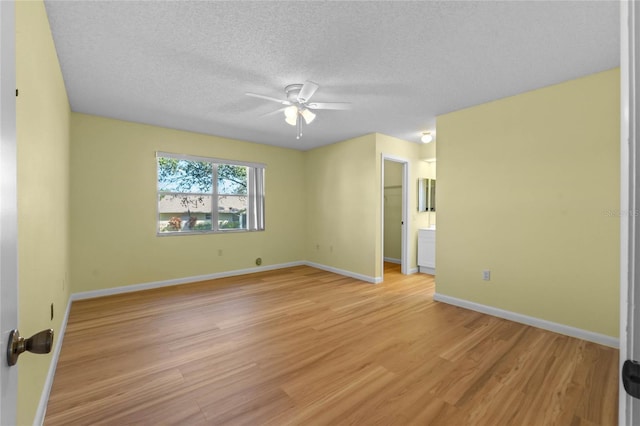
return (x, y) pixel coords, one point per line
(528, 187)
(113, 207)
(43, 194)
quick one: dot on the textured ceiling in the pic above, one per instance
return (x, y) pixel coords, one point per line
(187, 64)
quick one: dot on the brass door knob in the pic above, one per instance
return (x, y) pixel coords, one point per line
(39, 343)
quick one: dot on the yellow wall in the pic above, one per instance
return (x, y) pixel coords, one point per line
(322, 205)
(528, 187)
(341, 203)
(43, 193)
(113, 207)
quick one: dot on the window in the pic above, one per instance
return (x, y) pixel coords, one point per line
(200, 195)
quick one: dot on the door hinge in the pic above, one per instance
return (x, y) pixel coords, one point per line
(16, 92)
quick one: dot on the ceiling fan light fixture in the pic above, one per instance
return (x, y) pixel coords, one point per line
(426, 137)
(307, 115)
(297, 107)
(291, 121)
(291, 115)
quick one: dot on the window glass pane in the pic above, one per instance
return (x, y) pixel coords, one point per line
(176, 175)
(232, 212)
(232, 179)
(184, 213)
(186, 189)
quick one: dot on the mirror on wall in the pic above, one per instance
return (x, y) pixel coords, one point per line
(426, 195)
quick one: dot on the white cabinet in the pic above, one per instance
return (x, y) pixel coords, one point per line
(427, 250)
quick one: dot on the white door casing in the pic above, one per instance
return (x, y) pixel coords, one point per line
(404, 262)
(629, 408)
(8, 210)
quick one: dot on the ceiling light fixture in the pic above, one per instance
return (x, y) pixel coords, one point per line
(307, 115)
(291, 115)
(426, 137)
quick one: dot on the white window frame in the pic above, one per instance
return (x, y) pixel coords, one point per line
(255, 195)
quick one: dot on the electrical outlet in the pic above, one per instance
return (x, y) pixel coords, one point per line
(259, 261)
(486, 275)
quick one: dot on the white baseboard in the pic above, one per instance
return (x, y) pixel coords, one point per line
(187, 280)
(165, 283)
(48, 383)
(413, 270)
(427, 270)
(374, 280)
(579, 333)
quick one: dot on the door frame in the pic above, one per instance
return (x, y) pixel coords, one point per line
(8, 211)
(628, 409)
(404, 258)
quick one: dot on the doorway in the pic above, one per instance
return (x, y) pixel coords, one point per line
(392, 199)
(394, 220)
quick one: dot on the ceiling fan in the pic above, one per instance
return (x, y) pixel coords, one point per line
(297, 106)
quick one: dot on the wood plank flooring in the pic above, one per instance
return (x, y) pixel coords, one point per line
(300, 346)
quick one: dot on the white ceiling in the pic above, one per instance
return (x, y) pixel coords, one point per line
(187, 64)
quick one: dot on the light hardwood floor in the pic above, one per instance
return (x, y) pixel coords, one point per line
(308, 347)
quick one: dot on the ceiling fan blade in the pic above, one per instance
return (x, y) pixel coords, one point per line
(307, 91)
(330, 105)
(269, 98)
(272, 112)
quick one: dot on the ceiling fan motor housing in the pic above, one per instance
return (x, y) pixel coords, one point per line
(292, 92)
